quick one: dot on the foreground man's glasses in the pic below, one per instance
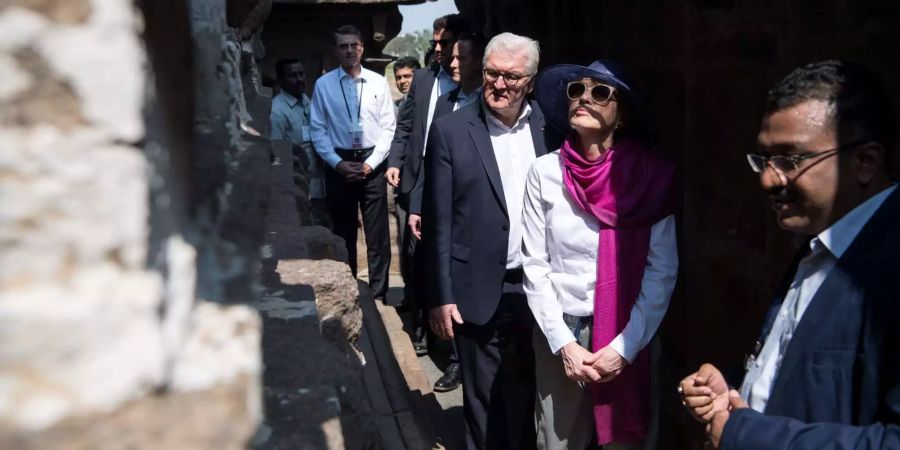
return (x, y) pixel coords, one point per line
(789, 163)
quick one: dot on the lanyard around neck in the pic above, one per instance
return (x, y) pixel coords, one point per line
(347, 105)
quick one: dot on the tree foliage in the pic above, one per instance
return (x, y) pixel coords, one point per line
(414, 44)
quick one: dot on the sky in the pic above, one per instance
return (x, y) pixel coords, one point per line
(417, 17)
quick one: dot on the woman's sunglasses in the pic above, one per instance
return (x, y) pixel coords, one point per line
(600, 93)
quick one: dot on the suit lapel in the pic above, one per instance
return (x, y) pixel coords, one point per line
(445, 104)
(781, 292)
(478, 131)
(536, 123)
(429, 85)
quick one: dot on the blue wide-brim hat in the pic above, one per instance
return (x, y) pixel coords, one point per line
(550, 88)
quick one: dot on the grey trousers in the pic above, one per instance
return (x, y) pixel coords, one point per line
(563, 415)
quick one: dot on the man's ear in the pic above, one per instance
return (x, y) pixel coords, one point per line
(869, 162)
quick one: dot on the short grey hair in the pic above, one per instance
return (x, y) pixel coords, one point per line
(512, 44)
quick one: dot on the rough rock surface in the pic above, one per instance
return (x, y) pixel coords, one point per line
(119, 244)
(313, 389)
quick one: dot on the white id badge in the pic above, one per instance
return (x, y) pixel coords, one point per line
(356, 135)
(304, 131)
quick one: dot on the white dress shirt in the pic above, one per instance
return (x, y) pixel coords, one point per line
(514, 151)
(442, 85)
(289, 117)
(559, 253)
(825, 250)
(331, 116)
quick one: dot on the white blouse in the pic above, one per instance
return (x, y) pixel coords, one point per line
(559, 252)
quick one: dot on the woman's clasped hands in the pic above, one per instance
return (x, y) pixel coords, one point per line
(584, 366)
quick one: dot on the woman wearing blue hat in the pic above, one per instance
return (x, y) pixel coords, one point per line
(600, 260)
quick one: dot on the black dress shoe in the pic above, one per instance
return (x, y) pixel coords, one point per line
(450, 380)
(421, 348)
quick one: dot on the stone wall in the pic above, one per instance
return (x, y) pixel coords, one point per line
(145, 234)
(705, 67)
(133, 174)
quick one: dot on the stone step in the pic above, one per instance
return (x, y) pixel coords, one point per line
(399, 391)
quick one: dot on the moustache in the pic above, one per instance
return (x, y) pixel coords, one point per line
(783, 194)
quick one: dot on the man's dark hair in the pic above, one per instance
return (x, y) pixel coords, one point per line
(439, 23)
(345, 30)
(477, 43)
(281, 64)
(456, 24)
(861, 105)
(406, 62)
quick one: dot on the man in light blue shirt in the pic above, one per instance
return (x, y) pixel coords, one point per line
(352, 123)
(290, 122)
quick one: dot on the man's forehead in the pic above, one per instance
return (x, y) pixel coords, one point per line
(512, 62)
(797, 125)
(348, 39)
(294, 67)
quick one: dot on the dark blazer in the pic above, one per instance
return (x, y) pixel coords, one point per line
(839, 382)
(444, 106)
(409, 136)
(465, 219)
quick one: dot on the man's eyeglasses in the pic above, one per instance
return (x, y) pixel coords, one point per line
(600, 93)
(789, 163)
(444, 42)
(510, 79)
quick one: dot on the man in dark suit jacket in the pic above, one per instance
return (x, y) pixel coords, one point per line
(475, 169)
(414, 117)
(405, 158)
(465, 68)
(826, 372)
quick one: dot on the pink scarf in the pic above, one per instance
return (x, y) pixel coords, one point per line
(628, 190)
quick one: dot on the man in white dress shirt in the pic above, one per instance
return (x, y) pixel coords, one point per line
(826, 370)
(352, 123)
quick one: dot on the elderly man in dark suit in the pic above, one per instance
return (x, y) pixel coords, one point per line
(826, 371)
(475, 168)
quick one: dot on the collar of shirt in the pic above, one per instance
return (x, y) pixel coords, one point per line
(496, 123)
(344, 75)
(838, 237)
(464, 99)
(294, 101)
(443, 84)
(443, 74)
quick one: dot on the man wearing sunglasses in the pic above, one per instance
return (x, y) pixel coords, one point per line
(405, 157)
(475, 169)
(466, 68)
(825, 372)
